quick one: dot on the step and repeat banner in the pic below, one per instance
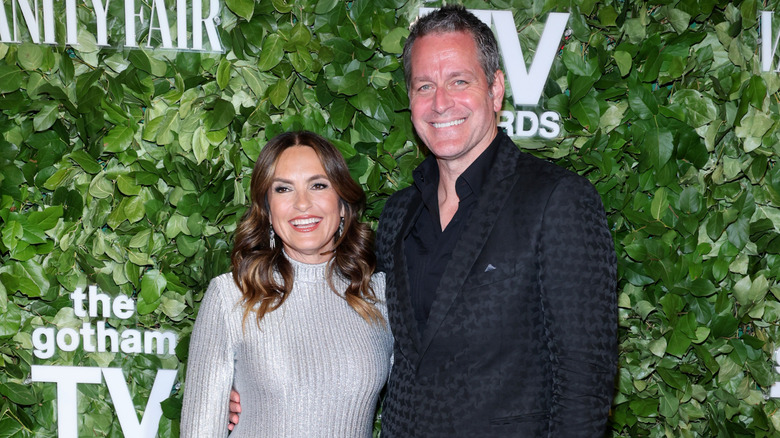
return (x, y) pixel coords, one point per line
(128, 130)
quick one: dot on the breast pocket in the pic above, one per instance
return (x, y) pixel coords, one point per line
(486, 272)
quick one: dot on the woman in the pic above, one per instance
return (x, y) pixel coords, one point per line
(299, 328)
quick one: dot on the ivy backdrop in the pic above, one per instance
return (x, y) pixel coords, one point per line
(128, 169)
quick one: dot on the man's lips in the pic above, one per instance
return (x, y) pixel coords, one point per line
(447, 124)
(305, 224)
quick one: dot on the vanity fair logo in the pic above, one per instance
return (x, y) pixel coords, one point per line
(35, 21)
(526, 82)
(98, 338)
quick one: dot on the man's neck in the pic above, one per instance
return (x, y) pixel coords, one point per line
(449, 172)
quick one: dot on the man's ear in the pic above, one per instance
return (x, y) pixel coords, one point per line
(497, 90)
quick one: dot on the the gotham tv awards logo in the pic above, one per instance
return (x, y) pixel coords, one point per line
(99, 338)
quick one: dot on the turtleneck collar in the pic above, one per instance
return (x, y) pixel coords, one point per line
(308, 272)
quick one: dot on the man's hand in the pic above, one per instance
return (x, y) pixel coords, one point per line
(235, 409)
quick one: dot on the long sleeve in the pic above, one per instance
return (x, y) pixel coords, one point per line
(209, 369)
(578, 281)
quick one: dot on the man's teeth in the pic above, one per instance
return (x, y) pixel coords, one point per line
(299, 222)
(448, 124)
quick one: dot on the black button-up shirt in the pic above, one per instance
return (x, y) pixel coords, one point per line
(427, 247)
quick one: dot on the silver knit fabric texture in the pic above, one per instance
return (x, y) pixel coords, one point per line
(314, 367)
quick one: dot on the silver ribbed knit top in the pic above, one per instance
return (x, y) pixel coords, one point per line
(314, 367)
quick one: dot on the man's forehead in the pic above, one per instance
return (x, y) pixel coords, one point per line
(447, 52)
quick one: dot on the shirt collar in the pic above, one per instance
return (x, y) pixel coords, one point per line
(426, 175)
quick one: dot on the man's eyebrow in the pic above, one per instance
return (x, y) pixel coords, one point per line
(451, 75)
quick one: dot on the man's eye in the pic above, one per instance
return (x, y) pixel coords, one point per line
(460, 82)
(425, 87)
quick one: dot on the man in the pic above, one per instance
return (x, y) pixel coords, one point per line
(500, 266)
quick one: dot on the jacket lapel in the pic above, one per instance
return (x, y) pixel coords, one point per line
(495, 191)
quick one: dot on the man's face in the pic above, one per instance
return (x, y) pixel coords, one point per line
(453, 109)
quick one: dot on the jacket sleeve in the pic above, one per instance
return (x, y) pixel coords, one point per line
(209, 370)
(578, 286)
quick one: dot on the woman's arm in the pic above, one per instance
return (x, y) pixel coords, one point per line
(209, 368)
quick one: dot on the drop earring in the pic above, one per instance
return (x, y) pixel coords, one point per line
(341, 228)
(272, 241)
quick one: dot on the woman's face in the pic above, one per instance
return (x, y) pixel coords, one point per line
(305, 209)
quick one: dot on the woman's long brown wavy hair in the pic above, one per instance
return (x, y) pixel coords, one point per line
(254, 261)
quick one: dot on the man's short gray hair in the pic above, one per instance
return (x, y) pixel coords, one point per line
(455, 18)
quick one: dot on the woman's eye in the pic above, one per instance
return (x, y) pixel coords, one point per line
(320, 186)
(281, 189)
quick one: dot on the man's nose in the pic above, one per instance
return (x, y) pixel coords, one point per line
(442, 100)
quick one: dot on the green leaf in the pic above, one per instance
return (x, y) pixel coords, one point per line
(176, 224)
(341, 113)
(690, 200)
(699, 109)
(701, 287)
(133, 208)
(350, 84)
(739, 232)
(660, 203)
(18, 393)
(10, 320)
(669, 405)
(153, 285)
(644, 407)
(271, 52)
(223, 73)
(642, 101)
(46, 117)
(576, 63)
(86, 161)
(220, 115)
(100, 187)
(172, 304)
(200, 145)
(32, 281)
(47, 218)
(392, 42)
(325, 6)
(10, 78)
(658, 144)
(300, 35)
(678, 343)
(658, 347)
(117, 215)
(118, 139)
(12, 233)
(30, 56)
(242, 8)
(279, 92)
(126, 184)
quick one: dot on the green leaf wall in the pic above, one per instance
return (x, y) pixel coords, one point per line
(129, 169)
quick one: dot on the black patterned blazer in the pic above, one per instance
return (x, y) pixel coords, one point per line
(521, 339)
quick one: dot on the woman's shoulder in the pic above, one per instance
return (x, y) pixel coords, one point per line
(223, 288)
